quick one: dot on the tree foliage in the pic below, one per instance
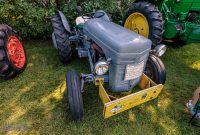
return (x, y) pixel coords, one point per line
(31, 17)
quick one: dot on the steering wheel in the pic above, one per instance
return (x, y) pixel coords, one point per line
(92, 15)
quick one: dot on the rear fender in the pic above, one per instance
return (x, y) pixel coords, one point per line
(158, 3)
(64, 21)
(151, 1)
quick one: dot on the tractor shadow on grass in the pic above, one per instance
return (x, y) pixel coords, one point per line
(176, 43)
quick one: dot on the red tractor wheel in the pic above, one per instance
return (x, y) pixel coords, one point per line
(12, 53)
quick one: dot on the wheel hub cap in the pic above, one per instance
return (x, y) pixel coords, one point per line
(138, 23)
(15, 52)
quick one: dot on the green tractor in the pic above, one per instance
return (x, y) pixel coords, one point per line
(165, 19)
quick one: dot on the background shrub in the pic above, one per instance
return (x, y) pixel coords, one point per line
(31, 18)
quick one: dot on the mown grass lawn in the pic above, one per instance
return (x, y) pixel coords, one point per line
(33, 102)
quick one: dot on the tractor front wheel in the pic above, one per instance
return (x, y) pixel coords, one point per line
(145, 19)
(12, 53)
(74, 95)
(155, 69)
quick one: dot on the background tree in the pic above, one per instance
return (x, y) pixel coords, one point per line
(31, 17)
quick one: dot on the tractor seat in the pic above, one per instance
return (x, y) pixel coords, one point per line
(118, 38)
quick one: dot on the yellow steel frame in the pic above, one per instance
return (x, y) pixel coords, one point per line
(113, 105)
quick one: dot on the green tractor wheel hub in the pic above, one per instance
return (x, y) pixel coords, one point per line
(172, 30)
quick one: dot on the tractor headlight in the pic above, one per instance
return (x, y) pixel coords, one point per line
(101, 68)
(159, 50)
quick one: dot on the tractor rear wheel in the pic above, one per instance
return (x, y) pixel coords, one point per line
(12, 53)
(155, 69)
(74, 95)
(145, 19)
(61, 38)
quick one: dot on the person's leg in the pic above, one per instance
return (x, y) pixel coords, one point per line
(191, 103)
(195, 97)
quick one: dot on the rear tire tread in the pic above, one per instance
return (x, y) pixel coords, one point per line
(62, 39)
(7, 70)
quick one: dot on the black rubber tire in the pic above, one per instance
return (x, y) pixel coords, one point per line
(7, 68)
(154, 18)
(155, 69)
(74, 95)
(62, 39)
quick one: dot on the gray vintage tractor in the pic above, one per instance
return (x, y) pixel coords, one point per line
(116, 55)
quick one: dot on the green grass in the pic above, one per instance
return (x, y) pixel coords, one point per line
(33, 102)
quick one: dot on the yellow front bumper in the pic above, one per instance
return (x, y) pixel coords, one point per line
(113, 105)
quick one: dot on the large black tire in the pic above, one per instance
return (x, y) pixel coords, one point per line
(74, 95)
(155, 69)
(153, 17)
(61, 38)
(9, 69)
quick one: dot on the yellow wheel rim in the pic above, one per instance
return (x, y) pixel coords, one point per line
(138, 23)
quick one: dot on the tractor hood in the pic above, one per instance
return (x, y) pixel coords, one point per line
(124, 47)
(116, 40)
